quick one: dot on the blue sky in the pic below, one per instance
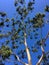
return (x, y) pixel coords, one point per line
(8, 7)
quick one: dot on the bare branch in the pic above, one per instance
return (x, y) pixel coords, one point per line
(46, 37)
(40, 60)
(27, 51)
(43, 52)
(15, 61)
(19, 59)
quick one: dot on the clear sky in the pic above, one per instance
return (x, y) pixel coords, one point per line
(8, 7)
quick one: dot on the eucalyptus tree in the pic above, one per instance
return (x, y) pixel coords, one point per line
(22, 28)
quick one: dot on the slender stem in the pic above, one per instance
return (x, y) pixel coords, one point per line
(46, 37)
(40, 60)
(43, 52)
(15, 61)
(27, 51)
(19, 59)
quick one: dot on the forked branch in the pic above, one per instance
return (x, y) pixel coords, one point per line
(43, 52)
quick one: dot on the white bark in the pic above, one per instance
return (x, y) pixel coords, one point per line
(40, 60)
(18, 59)
(27, 51)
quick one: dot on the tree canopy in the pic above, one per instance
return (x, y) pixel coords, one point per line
(23, 28)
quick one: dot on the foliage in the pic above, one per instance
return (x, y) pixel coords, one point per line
(20, 25)
(5, 52)
(47, 8)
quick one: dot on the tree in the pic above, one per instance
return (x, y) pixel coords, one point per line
(23, 27)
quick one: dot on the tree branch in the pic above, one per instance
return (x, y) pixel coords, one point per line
(40, 60)
(27, 51)
(43, 52)
(19, 59)
(46, 37)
